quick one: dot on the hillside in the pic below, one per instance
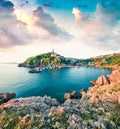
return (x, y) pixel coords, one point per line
(110, 60)
(47, 59)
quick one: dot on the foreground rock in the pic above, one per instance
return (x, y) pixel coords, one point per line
(72, 95)
(102, 80)
(67, 96)
(4, 97)
(115, 76)
(93, 82)
(46, 113)
(106, 88)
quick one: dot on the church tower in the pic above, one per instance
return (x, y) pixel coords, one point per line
(53, 51)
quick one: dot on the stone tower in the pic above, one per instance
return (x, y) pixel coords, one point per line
(53, 51)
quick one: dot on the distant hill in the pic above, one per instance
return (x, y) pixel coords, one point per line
(107, 60)
(56, 60)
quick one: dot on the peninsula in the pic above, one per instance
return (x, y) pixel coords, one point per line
(52, 60)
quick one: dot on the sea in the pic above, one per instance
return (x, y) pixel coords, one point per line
(54, 82)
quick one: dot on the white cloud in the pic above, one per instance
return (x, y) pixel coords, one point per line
(97, 29)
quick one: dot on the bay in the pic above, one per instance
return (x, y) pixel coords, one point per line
(54, 83)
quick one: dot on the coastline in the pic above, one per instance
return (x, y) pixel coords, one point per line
(97, 108)
(47, 113)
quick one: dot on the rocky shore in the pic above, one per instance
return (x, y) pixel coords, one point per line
(46, 113)
(106, 88)
(98, 108)
(4, 97)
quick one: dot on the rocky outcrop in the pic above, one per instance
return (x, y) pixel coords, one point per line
(37, 103)
(106, 80)
(93, 82)
(21, 65)
(105, 93)
(106, 88)
(114, 77)
(36, 70)
(72, 95)
(102, 80)
(4, 97)
(82, 92)
(46, 113)
(67, 96)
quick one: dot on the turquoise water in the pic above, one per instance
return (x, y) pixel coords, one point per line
(50, 82)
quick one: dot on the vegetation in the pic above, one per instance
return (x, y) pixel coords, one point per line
(94, 116)
(47, 59)
(108, 60)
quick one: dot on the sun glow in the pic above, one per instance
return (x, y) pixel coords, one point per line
(24, 17)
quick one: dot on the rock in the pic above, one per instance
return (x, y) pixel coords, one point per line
(75, 122)
(26, 118)
(21, 65)
(102, 80)
(4, 97)
(82, 93)
(115, 76)
(74, 94)
(60, 110)
(93, 82)
(67, 96)
(36, 70)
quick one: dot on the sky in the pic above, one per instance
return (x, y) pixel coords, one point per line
(73, 28)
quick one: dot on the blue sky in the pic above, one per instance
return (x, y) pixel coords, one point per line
(74, 28)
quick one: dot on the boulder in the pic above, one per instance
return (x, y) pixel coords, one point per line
(74, 94)
(60, 110)
(82, 93)
(4, 97)
(102, 80)
(115, 76)
(21, 65)
(93, 82)
(36, 70)
(67, 96)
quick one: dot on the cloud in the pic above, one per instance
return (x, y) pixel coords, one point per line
(99, 29)
(12, 31)
(18, 28)
(47, 22)
(80, 18)
(25, 3)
